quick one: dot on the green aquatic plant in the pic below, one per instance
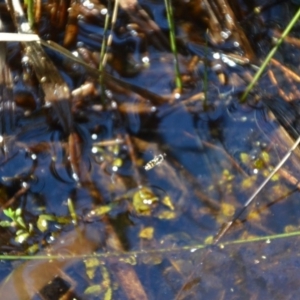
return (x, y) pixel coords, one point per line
(143, 201)
(23, 230)
(44, 219)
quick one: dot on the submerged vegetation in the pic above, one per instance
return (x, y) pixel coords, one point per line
(148, 149)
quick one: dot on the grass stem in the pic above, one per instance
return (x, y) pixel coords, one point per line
(270, 55)
(170, 18)
(30, 12)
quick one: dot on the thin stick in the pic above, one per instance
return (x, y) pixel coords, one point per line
(104, 46)
(106, 43)
(227, 225)
(18, 37)
(103, 59)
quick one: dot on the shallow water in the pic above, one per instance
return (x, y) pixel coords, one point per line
(151, 227)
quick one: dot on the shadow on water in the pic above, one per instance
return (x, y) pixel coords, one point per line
(109, 192)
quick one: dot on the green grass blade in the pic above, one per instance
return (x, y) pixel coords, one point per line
(170, 18)
(189, 248)
(270, 55)
(30, 12)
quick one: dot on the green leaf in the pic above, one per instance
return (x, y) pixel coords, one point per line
(5, 223)
(18, 212)
(33, 249)
(8, 212)
(42, 223)
(143, 201)
(93, 290)
(20, 222)
(22, 237)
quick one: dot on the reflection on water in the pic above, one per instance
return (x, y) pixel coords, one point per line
(152, 174)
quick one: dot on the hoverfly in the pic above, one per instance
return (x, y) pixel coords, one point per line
(158, 159)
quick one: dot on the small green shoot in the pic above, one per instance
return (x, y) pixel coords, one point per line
(15, 216)
(72, 211)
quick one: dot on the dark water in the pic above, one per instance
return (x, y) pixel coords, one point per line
(214, 153)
